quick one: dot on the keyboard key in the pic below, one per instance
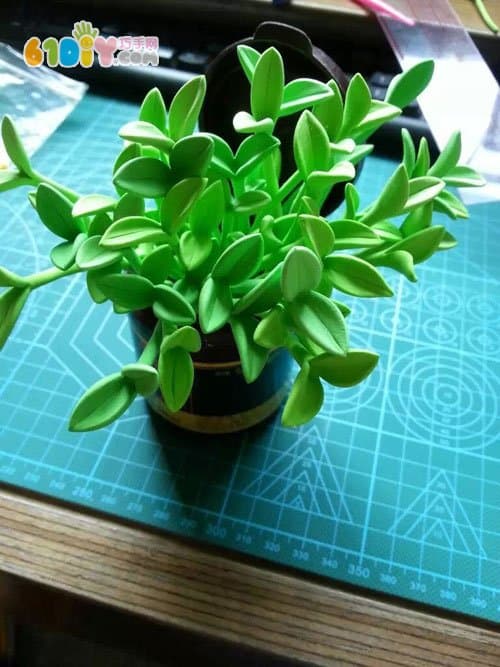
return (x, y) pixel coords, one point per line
(378, 92)
(193, 61)
(166, 54)
(381, 79)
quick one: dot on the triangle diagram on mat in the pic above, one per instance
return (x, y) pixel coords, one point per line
(303, 477)
(436, 516)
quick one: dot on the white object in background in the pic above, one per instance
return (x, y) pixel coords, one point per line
(37, 99)
(463, 94)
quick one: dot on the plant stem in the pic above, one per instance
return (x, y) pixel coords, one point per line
(50, 275)
(485, 16)
(131, 256)
(150, 352)
(272, 186)
(70, 194)
(289, 185)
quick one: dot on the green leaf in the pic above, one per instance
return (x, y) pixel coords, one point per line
(91, 255)
(127, 206)
(357, 104)
(355, 276)
(248, 58)
(305, 399)
(128, 290)
(146, 134)
(409, 154)
(191, 156)
(193, 250)
(187, 338)
(223, 158)
(253, 356)
(360, 152)
(420, 218)
(378, 114)
(54, 211)
(309, 206)
(303, 93)
(11, 305)
(264, 295)
(14, 147)
(272, 331)
(240, 260)
(351, 197)
(92, 204)
(448, 158)
(245, 123)
(63, 255)
(143, 377)
(153, 109)
(400, 261)
(171, 307)
(94, 276)
(185, 108)
(386, 231)
(215, 305)
(252, 151)
(189, 289)
(319, 183)
(463, 177)
(104, 402)
(407, 86)
(179, 201)
(423, 159)
(176, 371)
(344, 371)
(268, 80)
(311, 146)
(448, 241)
(422, 244)
(447, 203)
(211, 199)
(319, 234)
(422, 190)
(391, 200)
(352, 234)
(301, 273)
(330, 112)
(318, 318)
(128, 153)
(131, 231)
(9, 279)
(158, 264)
(345, 310)
(144, 176)
(251, 201)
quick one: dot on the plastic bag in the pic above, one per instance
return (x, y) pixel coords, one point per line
(37, 99)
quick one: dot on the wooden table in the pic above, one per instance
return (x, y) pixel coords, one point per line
(169, 598)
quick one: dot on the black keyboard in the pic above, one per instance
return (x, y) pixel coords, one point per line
(186, 52)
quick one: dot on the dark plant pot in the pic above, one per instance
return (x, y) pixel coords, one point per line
(227, 90)
(221, 401)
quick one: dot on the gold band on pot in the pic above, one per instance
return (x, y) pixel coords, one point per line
(214, 424)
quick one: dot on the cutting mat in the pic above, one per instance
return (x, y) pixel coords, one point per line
(395, 486)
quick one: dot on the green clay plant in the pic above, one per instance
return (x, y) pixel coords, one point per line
(209, 238)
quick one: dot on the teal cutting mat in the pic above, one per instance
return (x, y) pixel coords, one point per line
(394, 487)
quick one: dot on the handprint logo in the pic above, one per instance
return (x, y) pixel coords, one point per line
(85, 34)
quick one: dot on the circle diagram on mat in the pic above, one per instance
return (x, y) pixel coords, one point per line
(448, 399)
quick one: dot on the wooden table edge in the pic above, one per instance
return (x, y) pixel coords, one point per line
(209, 592)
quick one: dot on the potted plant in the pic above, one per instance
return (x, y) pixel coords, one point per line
(228, 268)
